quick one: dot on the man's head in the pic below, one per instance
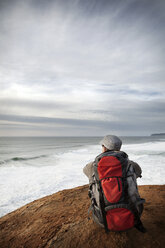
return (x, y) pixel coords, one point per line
(111, 142)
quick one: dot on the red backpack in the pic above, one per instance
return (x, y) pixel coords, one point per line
(115, 201)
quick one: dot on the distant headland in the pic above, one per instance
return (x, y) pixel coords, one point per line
(158, 134)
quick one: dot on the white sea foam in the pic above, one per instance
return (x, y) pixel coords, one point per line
(151, 157)
(22, 181)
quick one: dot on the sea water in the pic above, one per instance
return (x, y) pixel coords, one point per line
(31, 168)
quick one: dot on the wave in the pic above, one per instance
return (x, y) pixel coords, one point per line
(149, 153)
(22, 159)
(157, 154)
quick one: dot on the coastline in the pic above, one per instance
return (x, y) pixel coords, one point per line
(61, 220)
(35, 167)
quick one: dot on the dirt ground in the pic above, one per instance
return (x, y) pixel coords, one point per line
(61, 220)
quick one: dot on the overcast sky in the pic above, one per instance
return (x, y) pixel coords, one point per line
(82, 67)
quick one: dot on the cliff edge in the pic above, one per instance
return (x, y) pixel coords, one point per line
(61, 220)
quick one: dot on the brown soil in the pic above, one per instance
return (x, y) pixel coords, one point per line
(61, 220)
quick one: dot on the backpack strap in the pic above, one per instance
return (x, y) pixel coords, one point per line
(91, 196)
(139, 224)
(102, 207)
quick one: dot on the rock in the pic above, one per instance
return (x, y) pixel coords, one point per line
(61, 220)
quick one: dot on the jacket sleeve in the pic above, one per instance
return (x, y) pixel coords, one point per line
(137, 168)
(88, 170)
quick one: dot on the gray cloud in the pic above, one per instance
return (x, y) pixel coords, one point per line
(82, 64)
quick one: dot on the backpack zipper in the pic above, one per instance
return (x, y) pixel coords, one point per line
(118, 183)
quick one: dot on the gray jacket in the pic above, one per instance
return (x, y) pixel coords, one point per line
(89, 170)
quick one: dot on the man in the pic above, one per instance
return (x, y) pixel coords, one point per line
(110, 143)
(115, 201)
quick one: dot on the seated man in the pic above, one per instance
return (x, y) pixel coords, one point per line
(115, 201)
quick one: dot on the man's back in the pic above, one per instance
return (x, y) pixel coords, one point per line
(116, 204)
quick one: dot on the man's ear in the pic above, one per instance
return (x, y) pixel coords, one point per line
(104, 149)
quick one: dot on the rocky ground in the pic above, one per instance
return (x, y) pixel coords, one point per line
(61, 220)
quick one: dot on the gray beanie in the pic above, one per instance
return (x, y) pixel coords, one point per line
(111, 142)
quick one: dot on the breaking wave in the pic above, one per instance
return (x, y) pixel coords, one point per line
(22, 159)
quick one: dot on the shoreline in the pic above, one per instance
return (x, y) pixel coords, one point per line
(61, 220)
(139, 185)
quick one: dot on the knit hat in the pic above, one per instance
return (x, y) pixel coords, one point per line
(111, 142)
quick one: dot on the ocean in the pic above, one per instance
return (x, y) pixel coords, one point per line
(33, 167)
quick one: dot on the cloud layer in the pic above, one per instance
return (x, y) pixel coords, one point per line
(82, 67)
